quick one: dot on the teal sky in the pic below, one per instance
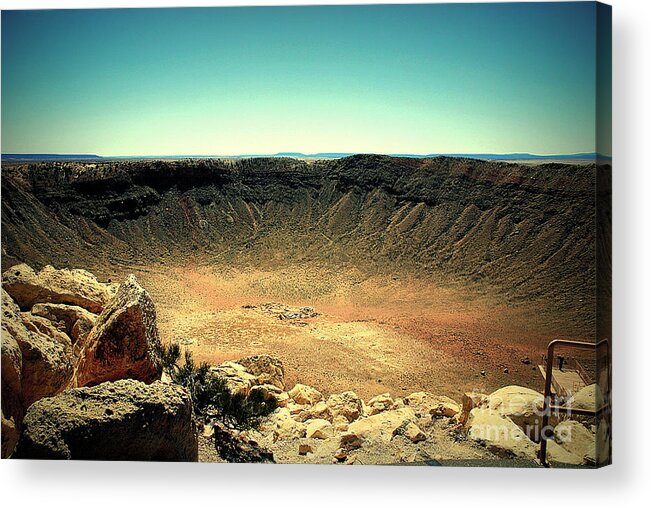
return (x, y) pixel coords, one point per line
(482, 78)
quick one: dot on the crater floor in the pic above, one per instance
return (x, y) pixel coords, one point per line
(371, 334)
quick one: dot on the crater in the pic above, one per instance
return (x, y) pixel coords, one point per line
(424, 273)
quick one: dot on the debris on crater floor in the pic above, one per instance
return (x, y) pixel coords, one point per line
(285, 312)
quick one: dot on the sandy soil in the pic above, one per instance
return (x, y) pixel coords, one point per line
(372, 335)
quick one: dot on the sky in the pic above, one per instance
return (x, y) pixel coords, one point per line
(447, 78)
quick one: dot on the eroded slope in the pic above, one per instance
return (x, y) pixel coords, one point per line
(526, 232)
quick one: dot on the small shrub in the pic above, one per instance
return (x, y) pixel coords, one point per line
(210, 395)
(169, 357)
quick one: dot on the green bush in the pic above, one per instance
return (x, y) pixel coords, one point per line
(210, 395)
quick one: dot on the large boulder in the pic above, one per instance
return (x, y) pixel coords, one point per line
(12, 366)
(577, 440)
(124, 343)
(266, 369)
(346, 404)
(76, 321)
(73, 287)
(48, 368)
(122, 420)
(499, 434)
(12, 406)
(47, 362)
(12, 358)
(34, 365)
(521, 405)
(588, 398)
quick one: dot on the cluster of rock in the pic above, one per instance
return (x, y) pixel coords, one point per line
(509, 423)
(295, 315)
(342, 428)
(309, 427)
(78, 357)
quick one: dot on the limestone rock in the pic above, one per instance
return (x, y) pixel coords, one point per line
(521, 405)
(237, 379)
(303, 394)
(269, 392)
(77, 321)
(556, 453)
(435, 405)
(34, 365)
(411, 431)
(340, 423)
(588, 398)
(124, 342)
(382, 426)
(281, 424)
(122, 420)
(379, 403)
(73, 287)
(398, 403)
(346, 404)
(297, 409)
(267, 369)
(10, 435)
(80, 331)
(12, 405)
(12, 359)
(47, 366)
(577, 440)
(319, 410)
(320, 429)
(500, 434)
(469, 401)
(282, 399)
(347, 442)
(36, 324)
(304, 449)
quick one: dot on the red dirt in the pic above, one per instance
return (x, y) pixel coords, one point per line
(373, 335)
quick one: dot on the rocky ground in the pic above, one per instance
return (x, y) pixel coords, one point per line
(82, 379)
(397, 335)
(308, 427)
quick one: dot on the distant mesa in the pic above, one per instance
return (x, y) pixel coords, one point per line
(48, 157)
(321, 155)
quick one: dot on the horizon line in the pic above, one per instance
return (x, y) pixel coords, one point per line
(333, 154)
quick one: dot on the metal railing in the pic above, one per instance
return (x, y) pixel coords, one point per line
(548, 408)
